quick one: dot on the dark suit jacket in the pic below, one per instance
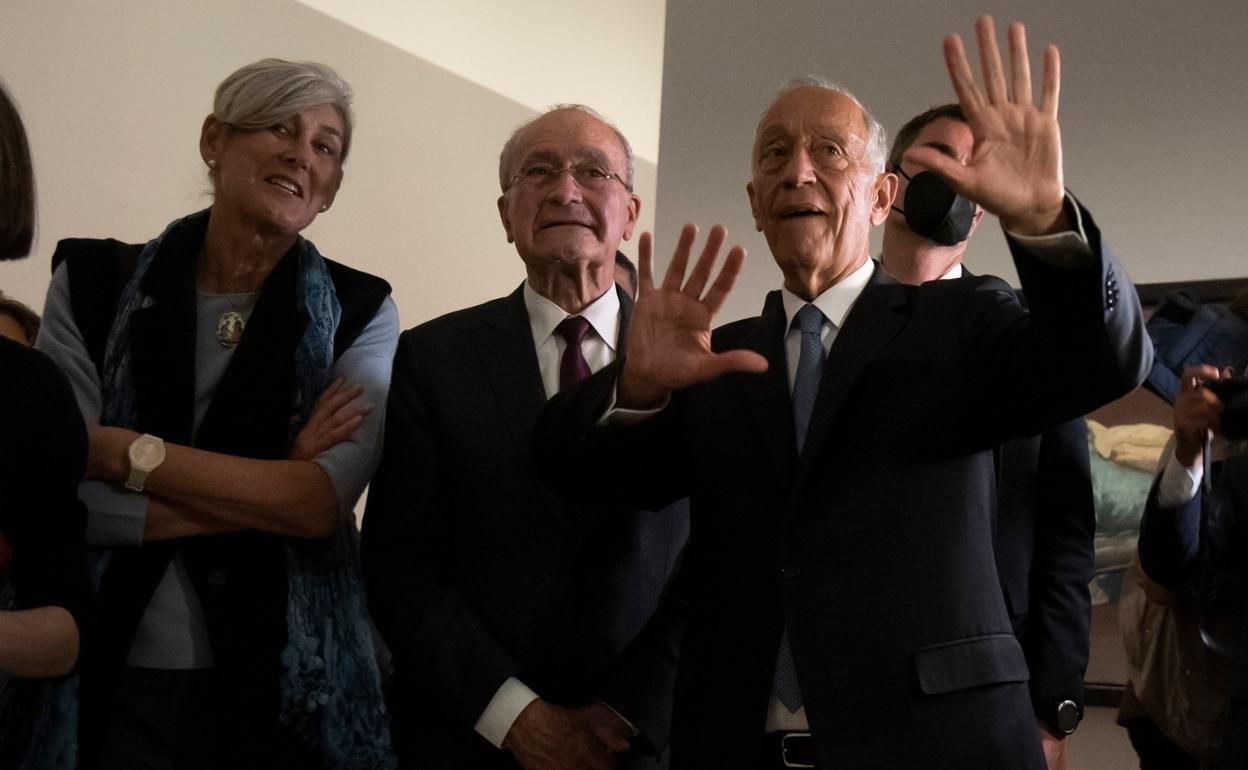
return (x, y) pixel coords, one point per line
(1044, 550)
(477, 572)
(874, 546)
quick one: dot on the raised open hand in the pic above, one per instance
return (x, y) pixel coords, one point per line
(669, 337)
(1015, 169)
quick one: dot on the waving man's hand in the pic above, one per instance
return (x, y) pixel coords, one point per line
(669, 337)
(1015, 169)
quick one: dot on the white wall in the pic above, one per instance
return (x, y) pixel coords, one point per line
(1154, 110)
(606, 54)
(113, 95)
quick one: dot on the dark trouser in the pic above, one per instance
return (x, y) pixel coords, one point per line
(174, 720)
(1156, 751)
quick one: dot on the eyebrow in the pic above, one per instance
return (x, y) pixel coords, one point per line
(580, 155)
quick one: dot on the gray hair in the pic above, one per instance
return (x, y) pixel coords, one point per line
(271, 90)
(505, 158)
(877, 137)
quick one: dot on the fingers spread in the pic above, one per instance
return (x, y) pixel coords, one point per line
(969, 95)
(714, 299)
(706, 260)
(1020, 67)
(680, 258)
(1052, 80)
(990, 60)
(934, 160)
(645, 263)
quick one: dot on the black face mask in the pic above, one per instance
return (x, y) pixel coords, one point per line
(935, 211)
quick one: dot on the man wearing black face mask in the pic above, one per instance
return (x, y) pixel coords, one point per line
(1046, 520)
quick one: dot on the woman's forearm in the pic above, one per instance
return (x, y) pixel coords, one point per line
(209, 492)
(38, 642)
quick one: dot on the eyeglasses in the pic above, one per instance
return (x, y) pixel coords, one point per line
(586, 175)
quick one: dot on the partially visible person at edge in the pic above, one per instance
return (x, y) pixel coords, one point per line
(17, 321)
(233, 382)
(44, 595)
(1184, 627)
(1045, 516)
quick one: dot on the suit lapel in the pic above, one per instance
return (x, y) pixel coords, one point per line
(878, 315)
(504, 344)
(768, 394)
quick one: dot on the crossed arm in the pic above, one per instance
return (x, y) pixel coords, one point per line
(196, 492)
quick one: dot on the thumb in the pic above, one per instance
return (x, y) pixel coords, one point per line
(734, 361)
(953, 172)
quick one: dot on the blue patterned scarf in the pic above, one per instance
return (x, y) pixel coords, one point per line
(330, 685)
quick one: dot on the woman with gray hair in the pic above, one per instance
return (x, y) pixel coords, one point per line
(233, 382)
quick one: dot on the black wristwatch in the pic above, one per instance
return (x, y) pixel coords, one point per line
(1064, 717)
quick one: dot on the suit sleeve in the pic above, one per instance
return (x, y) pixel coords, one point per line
(571, 445)
(436, 638)
(1081, 344)
(642, 684)
(1056, 637)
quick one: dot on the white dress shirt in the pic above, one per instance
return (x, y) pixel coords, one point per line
(599, 349)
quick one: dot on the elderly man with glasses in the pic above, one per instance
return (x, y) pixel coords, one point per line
(519, 621)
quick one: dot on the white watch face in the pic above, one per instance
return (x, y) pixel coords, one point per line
(146, 453)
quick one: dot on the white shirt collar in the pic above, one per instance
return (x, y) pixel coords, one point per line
(953, 272)
(836, 301)
(603, 315)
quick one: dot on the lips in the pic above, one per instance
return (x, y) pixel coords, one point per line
(287, 184)
(564, 223)
(798, 210)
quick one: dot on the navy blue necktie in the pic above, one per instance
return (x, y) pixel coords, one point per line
(809, 320)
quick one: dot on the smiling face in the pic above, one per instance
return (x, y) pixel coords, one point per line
(814, 193)
(558, 221)
(279, 178)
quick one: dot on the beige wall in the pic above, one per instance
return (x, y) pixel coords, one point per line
(113, 94)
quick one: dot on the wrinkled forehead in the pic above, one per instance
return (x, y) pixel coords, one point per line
(812, 111)
(570, 136)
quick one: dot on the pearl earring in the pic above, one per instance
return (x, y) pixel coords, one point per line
(212, 163)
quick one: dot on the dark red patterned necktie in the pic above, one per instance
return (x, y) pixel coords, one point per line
(572, 367)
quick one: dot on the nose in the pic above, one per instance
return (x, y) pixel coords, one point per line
(563, 187)
(799, 170)
(298, 155)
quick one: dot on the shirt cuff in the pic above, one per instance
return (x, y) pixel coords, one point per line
(1179, 484)
(1065, 249)
(115, 516)
(622, 417)
(501, 713)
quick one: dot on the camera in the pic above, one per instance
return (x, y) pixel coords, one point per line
(1233, 393)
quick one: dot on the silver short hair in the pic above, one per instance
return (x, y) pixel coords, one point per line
(271, 90)
(877, 137)
(505, 158)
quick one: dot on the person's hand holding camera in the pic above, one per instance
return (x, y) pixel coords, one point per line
(1198, 410)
